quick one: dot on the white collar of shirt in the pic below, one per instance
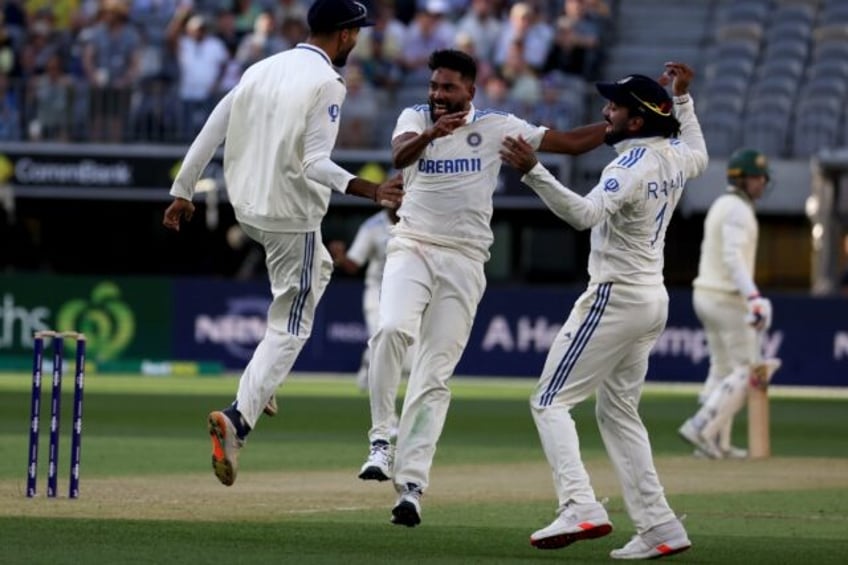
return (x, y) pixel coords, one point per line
(471, 115)
(631, 142)
(318, 50)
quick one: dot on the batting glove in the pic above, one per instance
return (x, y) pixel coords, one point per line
(759, 312)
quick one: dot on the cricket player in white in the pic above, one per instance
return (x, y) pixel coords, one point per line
(369, 248)
(729, 305)
(280, 124)
(434, 278)
(604, 345)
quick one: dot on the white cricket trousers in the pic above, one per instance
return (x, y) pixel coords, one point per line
(603, 348)
(429, 296)
(731, 341)
(299, 268)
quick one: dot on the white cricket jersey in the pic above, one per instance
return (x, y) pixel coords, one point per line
(280, 123)
(448, 191)
(630, 208)
(369, 246)
(729, 247)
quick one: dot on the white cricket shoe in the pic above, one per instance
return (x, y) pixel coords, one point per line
(576, 522)
(407, 509)
(378, 466)
(659, 541)
(733, 452)
(271, 406)
(692, 434)
(225, 447)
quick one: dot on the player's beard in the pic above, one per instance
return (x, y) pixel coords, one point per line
(615, 135)
(340, 60)
(449, 108)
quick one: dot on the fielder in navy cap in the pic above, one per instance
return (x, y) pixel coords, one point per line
(333, 15)
(645, 98)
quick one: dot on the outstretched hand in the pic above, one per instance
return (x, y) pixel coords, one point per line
(179, 209)
(390, 192)
(518, 153)
(679, 75)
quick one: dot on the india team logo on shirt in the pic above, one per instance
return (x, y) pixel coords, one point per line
(474, 139)
(333, 110)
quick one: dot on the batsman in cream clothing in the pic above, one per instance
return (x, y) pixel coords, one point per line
(729, 305)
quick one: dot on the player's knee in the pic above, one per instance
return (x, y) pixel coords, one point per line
(392, 332)
(611, 408)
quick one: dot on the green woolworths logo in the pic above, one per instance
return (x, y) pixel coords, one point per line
(106, 321)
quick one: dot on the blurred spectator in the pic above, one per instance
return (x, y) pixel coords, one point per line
(293, 31)
(233, 70)
(534, 36)
(359, 113)
(41, 44)
(482, 25)
(156, 110)
(262, 42)
(202, 61)
(465, 43)
(552, 110)
(225, 29)
(149, 57)
(111, 60)
(495, 95)
(61, 10)
(565, 55)
(9, 64)
(152, 17)
(10, 111)
(246, 12)
(285, 9)
(525, 88)
(379, 48)
(428, 32)
(49, 96)
(13, 14)
(586, 29)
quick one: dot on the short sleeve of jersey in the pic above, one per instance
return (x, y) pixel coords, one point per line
(617, 187)
(410, 121)
(515, 127)
(360, 249)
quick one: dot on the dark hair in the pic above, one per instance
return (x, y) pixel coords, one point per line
(656, 126)
(454, 60)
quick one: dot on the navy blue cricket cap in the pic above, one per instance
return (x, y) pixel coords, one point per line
(333, 15)
(643, 94)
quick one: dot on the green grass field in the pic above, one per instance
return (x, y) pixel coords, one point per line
(148, 494)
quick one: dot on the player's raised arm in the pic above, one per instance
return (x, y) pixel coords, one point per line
(680, 76)
(575, 141)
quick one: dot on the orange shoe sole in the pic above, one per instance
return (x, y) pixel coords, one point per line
(222, 466)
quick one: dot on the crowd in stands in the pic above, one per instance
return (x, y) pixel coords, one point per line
(151, 70)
